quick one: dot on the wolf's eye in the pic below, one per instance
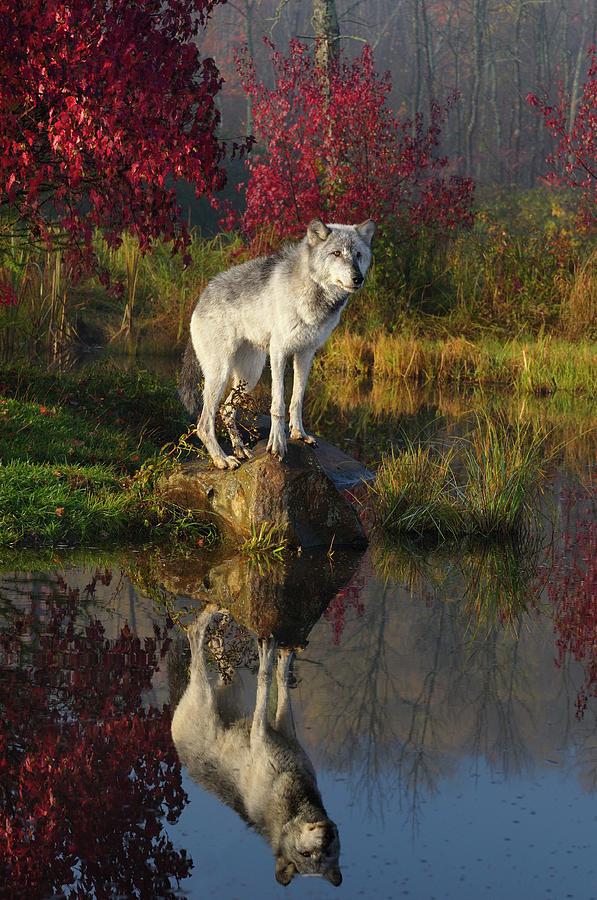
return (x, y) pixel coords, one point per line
(358, 255)
(305, 853)
(336, 253)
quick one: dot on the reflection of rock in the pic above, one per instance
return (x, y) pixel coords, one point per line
(298, 495)
(282, 598)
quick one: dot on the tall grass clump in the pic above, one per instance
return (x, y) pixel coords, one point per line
(505, 469)
(413, 493)
(484, 486)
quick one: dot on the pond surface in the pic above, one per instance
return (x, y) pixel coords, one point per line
(446, 699)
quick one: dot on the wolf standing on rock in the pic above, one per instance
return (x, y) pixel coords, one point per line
(280, 305)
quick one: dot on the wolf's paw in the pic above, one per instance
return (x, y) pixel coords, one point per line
(242, 452)
(225, 462)
(277, 447)
(297, 435)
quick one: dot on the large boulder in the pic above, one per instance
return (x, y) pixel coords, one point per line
(298, 495)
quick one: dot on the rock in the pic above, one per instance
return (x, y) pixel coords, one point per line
(296, 496)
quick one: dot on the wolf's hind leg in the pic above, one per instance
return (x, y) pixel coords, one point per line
(247, 369)
(215, 382)
(228, 412)
(197, 704)
(196, 637)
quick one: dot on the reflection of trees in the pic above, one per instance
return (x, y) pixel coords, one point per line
(498, 705)
(419, 766)
(376, 724)
(438, 666)
(359, 723)
(86, 772)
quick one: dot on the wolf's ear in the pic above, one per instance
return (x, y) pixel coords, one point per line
(317, 231)
(366, 230)
(285, 871)
(334, 876)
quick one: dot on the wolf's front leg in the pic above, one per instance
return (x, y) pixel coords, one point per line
(276, 444)
(267, 654)
(284, 717)
(302, 367)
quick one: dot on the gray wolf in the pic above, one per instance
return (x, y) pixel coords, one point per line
(282, 305)
(260, 771)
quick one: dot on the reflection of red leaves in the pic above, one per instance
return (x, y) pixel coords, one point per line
(347, 598)
(7, 295)
(572, 589)
(86, 772)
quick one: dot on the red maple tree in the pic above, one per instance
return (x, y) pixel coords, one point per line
(102, 107)
(330, 147)
(575, 157)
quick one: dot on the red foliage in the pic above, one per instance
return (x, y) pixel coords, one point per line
(331, 148)
(86, 772)
(575, 158)
(102, 106)
(7, 295)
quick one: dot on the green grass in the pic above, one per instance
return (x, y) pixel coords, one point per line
(267, 538)
(483, 486)
(80, 459)
(413, 493)
(505, 470)
(42, 505)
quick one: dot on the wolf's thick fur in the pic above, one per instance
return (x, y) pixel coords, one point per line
(282, 305)
(261, 772)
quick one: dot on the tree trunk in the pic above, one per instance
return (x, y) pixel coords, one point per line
(479, 11)
(327, 32)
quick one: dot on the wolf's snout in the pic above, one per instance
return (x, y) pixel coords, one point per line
(357, 279)
(328, 838)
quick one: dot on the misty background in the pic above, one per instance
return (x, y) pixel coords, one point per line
(491, 51)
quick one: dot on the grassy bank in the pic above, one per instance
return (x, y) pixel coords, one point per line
(528, 366)
(78, 459)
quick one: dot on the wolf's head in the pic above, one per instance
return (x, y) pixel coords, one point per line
(309, 848)
(339, 255)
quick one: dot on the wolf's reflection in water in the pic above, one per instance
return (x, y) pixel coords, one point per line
(258, 769)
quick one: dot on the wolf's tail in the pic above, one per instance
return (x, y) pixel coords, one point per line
(190, 376)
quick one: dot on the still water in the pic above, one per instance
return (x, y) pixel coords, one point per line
(446, 701)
